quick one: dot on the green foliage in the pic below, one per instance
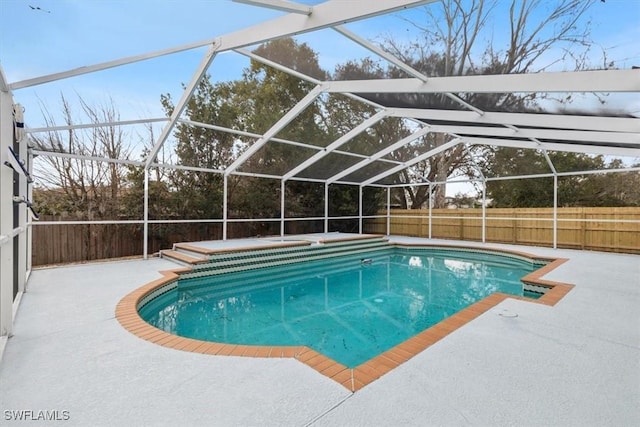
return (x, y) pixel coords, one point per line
(254, 104)
(613, 189)
(163, 202)
(199, 192)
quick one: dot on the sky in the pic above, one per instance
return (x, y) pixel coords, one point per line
(47, 36)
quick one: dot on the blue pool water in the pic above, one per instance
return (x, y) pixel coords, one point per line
(345, 309)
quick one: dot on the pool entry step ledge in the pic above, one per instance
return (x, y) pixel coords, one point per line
(206, 261)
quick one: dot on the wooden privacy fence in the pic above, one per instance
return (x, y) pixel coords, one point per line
(601, 229)
(63, 243)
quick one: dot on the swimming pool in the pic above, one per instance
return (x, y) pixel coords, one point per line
(349, 310)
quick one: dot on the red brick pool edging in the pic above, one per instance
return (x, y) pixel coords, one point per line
(352, 378)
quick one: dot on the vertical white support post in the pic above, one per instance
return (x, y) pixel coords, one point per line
(145, 226)
(6, 215)
(430, 207)
(22, 217)
(282, 204)
(29, 220)
(484, 211)
(388, 211)
(555, 211)
(224, 206)
(326, 207)
(360, 210)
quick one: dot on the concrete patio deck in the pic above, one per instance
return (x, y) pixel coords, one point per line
(577, 363)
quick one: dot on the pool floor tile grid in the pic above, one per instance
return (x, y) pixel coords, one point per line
(353, 379)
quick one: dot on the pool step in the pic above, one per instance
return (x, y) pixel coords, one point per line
(182, 258)
(185, 249)
(254, 258)
(249, 260)
(277, 253)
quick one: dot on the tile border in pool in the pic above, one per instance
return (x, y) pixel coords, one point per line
(351, 378)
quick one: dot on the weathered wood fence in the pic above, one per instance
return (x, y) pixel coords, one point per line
(64, 243)
(600, 229)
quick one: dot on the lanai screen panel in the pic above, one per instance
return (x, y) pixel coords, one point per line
(418, 147)
(308, 54)
(328, 166)
(321, 123)
(276, 158)
(513, 161)
(381, 135)
(368, 171)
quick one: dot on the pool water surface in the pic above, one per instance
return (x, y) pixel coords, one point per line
(348, 308)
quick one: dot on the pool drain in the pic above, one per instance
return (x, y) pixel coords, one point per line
(506, 313)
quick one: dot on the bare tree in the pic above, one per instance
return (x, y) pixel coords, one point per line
(452, 43)
(83, 186)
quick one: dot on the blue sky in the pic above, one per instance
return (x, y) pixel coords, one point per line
(65, 34)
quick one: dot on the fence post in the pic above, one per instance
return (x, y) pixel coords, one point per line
(430, 213)
(145, 226)
(484, 211)
(282, 206)
(583, 229)
(360, 209)
(224, 206)
(388, 211)
(555, 211)
(326, 207)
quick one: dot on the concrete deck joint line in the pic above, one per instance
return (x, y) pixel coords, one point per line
(322, 415)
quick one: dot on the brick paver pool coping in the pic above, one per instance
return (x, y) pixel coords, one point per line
(351, 378)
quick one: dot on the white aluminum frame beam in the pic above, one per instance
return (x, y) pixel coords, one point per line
(570, 148)
(277, 66)
(371, 121)
(311, 79)
(555, 121)
(95, 125)
(189, 168)
(381, 53)
(280, 5)
(182, 103)
(88, 158)
(277, 127)
(421, 157)
(398, 63)
(304, 77)
(557, 134)
(575, 81)
(404, 141)
(279, 140)
(513, 177)
(324, 15)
